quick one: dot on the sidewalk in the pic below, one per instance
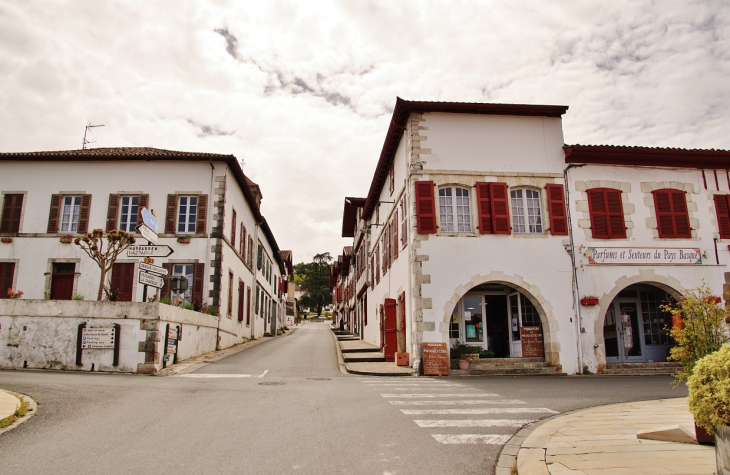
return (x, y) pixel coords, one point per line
(8, 404)
(358, 357)
(603, 441)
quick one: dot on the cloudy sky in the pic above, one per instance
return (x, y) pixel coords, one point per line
(302, 91)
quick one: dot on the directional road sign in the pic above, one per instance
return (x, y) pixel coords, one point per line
(153, 269)
(151, 279)
(147, 233)
(151, 221)
(149, 251)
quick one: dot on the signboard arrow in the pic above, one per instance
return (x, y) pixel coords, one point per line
(151, 221)
(151, 279)
(147, 233)
(153, 269)
(149, 251)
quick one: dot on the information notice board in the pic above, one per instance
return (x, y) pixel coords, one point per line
(531, 342)
(435, 359)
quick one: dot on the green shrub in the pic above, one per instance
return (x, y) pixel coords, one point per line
(77, 297)
(188, 306)
(326, 314)
(166, 301)
(460, 349)
(212, 311)
(709, 390)
(486, 354)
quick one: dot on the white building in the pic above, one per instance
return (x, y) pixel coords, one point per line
(209, 214)
(468, 234)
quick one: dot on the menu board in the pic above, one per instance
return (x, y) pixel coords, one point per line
(435, 359)
(531, 342)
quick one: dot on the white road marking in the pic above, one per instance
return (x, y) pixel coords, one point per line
(263, 374)
(415, 385)
(415, 396)
(466, 402)
(483, 410)
(214, 376)
(474, 423)
(493, 439)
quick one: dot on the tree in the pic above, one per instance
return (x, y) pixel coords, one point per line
(315, 282)
(93, 245)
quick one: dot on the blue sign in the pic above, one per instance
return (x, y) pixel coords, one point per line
(150, 220)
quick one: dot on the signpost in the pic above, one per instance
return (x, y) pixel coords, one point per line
(150, 220)
(149, 251)
(96, 338)
(147, 233)
(154, 269)
(151, 279)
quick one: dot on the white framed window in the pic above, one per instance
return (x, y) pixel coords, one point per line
(454, 210)
(526, 212)
(187, 271)
(70, 214)
(187, 213)
(128, 212)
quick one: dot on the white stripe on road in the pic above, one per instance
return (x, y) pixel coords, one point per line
(415, 385)
(493, 439)
(415, 396)
(466, 402)
(483, 410)
(190, 375)
(263, 374)
(474, 422)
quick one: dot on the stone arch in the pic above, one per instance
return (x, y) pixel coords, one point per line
(669, 284)
(532, 292)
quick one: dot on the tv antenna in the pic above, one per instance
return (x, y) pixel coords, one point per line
(86, 130)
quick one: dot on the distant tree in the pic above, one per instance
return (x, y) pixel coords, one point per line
(93, 245)
(300, 271)
(315, 283)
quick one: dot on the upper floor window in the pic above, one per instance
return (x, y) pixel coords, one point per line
(12, 207)
(70, 214)
(607, 213)
(128, 213)
(671, 213)
(526, 214)
(233, 229)
(187, 214)
(722, 209)
(454, 210)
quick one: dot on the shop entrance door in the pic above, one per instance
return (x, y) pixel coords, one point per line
(515, 322)
(622, 333)
(390, 329)
(498, 338)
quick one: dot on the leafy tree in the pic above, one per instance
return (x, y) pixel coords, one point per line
(300, 271)
(93, 245)
(315, 282)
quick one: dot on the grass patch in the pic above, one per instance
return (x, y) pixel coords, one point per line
(513, 470)
(20, 412)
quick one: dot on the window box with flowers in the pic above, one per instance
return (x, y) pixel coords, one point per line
(589, 300)
(183, 239)
(15, 295)
(6, 240)
(68, 239)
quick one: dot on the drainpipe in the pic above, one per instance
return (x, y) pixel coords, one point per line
(208, 251)
(253, 285)
(575, 289)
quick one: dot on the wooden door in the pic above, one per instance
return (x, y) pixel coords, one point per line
(390, 330)
(7, 269)
(62, 281)
(123, 281)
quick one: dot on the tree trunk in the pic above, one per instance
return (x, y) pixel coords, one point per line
(101, 284)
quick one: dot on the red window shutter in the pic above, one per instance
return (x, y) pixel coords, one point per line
(53, 214)
(165, 291)
(377, 264)
(200, 225)
(233, 229)
(672, 215)
(500, 208)
(404, 229)
(198, 281)
(241, 293)
(170, 214)
(607, 213)
(248, 307)
(372, 272)
(556, 205)
(143, 203)
(7, 269)
(425, 208)
(484, 206)
(395, 235)
(681, 214)
(723, 215)
(402, 299)
(84, 212)
(597, 210)
(615, 213)
(12, 209)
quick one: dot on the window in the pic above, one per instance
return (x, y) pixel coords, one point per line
(391, 177)
(493, 207)
(404, 224)
(454, 324)
(260, 257)
(242, 245)
(70, 214)
(233, 229)
(722, 208)
(607, 213)
(7, 271)
(250, 251)
(128, 213)
(187, 214)
(454, 210)
(377, 264)
(230, 293)
(10, 221)
(671, 214)
(256, 307)
(526, 216)
(187, 271)
(248, 307)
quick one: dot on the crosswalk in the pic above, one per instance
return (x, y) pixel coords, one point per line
(424, 397)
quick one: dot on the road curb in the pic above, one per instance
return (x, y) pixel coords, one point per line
(32, 410)
(340, 358)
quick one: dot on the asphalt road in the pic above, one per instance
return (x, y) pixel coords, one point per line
(284, 407)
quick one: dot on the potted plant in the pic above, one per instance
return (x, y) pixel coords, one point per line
(709, 401)
(183, 239)
(67, 239)
(6, 240)
(701, 332)
(589, 300)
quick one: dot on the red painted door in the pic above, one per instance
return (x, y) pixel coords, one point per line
(62, 281)
(123, 281)
(390, 330)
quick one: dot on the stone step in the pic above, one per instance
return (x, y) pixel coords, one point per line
(363, 358)
(641, 372)
(510, 372)
(361, 350)
(665, 364)
(480, 365)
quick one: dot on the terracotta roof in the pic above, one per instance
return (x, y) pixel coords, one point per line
(403, 109)
(647, 156)
(286, 256)
(349, 215)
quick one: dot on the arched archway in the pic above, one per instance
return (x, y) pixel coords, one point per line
(513, 289)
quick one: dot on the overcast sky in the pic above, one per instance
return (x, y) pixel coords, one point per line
(303, 91)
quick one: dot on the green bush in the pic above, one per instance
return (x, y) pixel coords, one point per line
(166, 301)
(326, 314)
(709, 390)
(460, 349)
(486, 354)
(77, 297)
(188, 306)
(212, 311)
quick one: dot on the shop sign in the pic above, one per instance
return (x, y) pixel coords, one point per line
(644, 255)
(531, 338)
(435, 359)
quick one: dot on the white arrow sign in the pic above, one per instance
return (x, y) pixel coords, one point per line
(150, 220)
(151, 280)
(147, 233)
(149, 251)
(153, 269)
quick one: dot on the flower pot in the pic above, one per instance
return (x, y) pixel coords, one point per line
(464, 364)
(401, 359)
(6, 240)
(66, 239)
(704, 437)
(588, 302)
(470, 356)
(722, 449)
(182, 240)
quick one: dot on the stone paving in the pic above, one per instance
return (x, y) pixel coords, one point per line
(602, 441)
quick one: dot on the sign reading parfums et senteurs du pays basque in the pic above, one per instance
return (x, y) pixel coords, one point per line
(644, 255)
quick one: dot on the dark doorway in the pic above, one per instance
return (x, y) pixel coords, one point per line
(123, 281)
(62, 281)
(497, 325)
